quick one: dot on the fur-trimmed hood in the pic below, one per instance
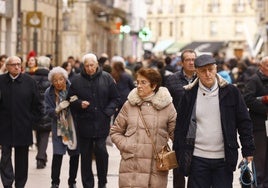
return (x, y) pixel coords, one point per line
(221, 82)
(160, 100)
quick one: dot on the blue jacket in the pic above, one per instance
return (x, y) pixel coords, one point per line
(100, 90)
(234, 118)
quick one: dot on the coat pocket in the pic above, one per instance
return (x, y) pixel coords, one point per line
(130, 140)
(130, 131)
(127, 156)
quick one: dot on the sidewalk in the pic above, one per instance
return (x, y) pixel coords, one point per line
(40, 178)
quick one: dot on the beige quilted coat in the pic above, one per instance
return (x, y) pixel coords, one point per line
(137, 165)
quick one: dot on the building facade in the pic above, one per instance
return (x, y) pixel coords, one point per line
(262, 20)
(233, 22)
(61, 28)
(30, 25)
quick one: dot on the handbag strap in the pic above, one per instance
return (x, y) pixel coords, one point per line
(148, 132)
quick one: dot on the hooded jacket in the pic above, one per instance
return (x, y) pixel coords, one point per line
(137, 166)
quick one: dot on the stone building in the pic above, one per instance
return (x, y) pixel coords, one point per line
(234, 23)
(61, 27)
(262, 20)
(30, 25)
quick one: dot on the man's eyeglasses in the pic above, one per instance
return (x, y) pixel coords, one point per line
(14, 64)
(189, 60)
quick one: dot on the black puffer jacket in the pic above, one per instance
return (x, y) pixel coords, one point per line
(255, 88)
(101, 92)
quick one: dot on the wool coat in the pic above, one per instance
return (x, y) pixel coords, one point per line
(20, 107)
(138, 164)
(235, 120)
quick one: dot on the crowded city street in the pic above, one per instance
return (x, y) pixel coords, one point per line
(133, 93)
(40, 178)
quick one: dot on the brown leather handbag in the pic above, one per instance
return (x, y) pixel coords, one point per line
(166, 159)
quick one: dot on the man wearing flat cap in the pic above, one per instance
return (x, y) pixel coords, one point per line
(205, 138)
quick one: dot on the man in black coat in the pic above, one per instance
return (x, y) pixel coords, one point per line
(211, 115)
(20, 107)
(175, 83)
(98, 99)
(256, 97)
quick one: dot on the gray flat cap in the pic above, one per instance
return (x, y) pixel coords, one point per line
(203, 60)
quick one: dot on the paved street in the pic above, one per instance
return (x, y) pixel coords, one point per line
(41, 178)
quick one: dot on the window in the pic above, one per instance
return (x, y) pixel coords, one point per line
(150, 25)
(160, 29)
(159, 10)
(170, 29)
(239, 6)
(182, 8)
(181, 29)
(238, 28)
(213, 28)
(214, 6)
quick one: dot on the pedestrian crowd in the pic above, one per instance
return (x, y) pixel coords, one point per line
(205, 105)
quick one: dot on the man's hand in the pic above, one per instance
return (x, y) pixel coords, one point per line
(85, 104)
(249, 159)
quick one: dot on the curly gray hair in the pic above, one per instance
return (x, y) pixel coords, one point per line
(57, 70)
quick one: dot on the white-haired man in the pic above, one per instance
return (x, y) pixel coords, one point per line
(20, 107)
(97, 101)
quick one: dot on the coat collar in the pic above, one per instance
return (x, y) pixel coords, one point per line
(9, 79)
(262, 76)
(91, 77)
(160, 100)
(221, 82)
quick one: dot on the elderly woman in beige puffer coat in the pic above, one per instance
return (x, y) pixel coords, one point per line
(138, 164)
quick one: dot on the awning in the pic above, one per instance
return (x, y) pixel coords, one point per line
(161, 46)
(174, 48)
(205, 46)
